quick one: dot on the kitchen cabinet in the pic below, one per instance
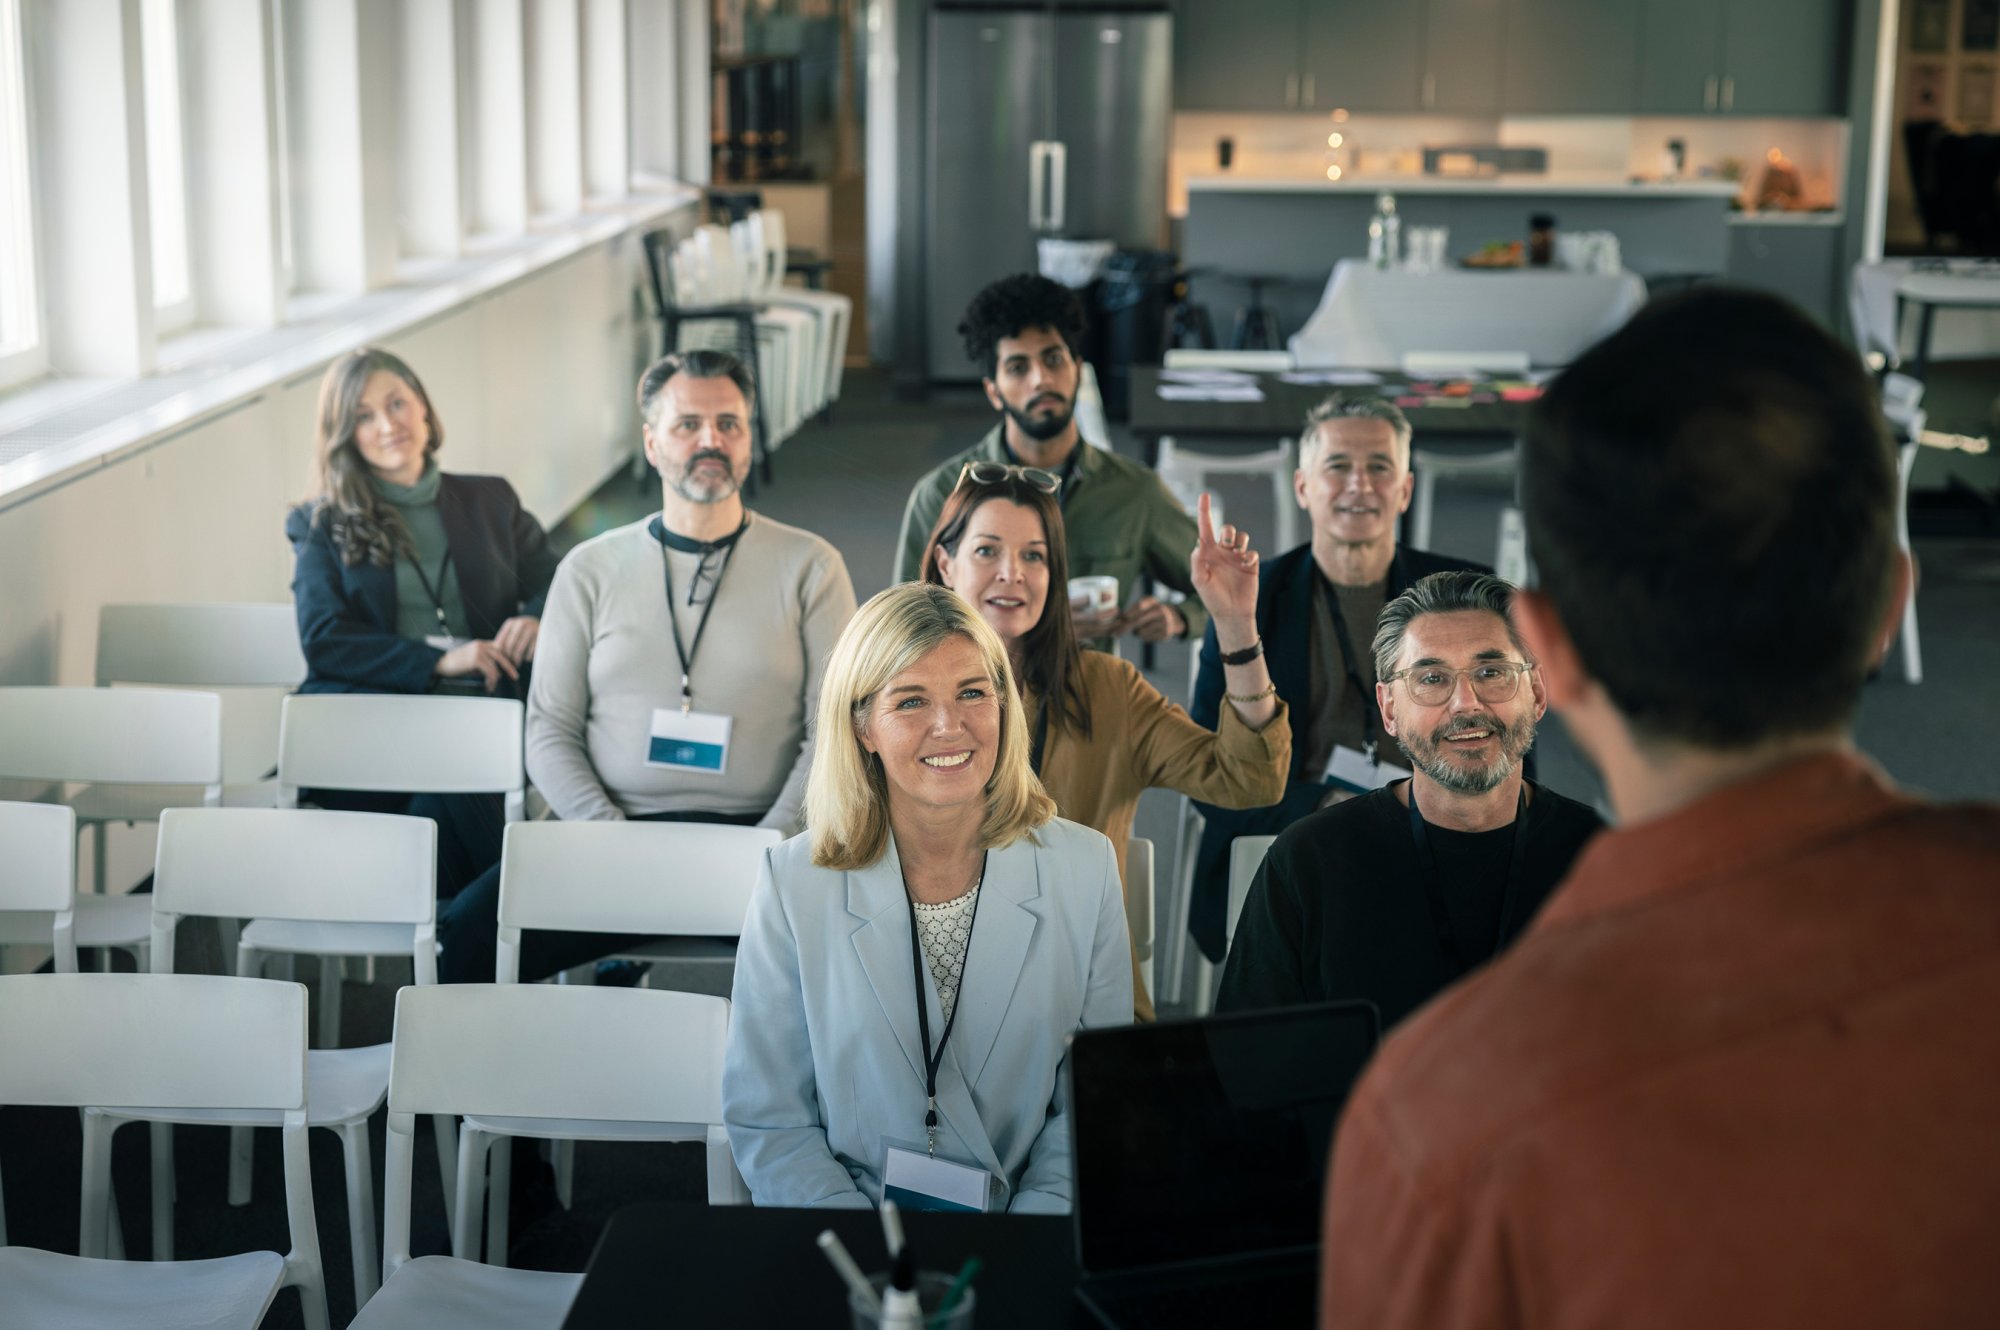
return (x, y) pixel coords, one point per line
(1571, 57)
(1462, 56)
(1237, 57)
(1797, 260)
(1363, 54)
(1742, 57)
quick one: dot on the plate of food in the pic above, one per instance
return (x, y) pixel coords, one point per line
(1496, 254)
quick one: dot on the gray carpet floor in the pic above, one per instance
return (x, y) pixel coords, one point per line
(846, 479)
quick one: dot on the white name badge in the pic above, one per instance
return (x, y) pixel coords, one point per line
(1353, 770)
(918, 1181)
(688, 741)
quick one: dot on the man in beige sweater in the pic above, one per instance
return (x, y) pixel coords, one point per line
(679, 658)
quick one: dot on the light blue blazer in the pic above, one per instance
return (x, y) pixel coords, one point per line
(824, 1067)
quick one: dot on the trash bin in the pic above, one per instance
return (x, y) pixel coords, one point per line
(1134, 290)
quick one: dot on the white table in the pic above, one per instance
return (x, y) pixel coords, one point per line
(1371, 318)
(1880, 294)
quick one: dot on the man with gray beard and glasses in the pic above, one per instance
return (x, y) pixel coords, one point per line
(1394, 895)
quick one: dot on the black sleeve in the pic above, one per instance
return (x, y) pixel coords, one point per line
(340, 644)
(1264, 966)
(534, 561)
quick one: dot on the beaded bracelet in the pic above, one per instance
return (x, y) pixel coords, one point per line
(1270, 690)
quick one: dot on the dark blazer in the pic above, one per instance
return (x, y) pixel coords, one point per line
(1284, 622)
(347, 612)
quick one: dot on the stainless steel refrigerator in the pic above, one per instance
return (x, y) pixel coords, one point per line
(1041, 124)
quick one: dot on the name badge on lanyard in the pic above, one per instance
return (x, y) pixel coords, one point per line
(688, 741)
(918, 1181)
(1357, 772)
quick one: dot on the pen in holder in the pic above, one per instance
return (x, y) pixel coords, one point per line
(940, 1309)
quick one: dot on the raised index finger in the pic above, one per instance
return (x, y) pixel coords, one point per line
(1203, 524)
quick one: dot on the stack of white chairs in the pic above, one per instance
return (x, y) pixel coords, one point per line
(146, 737)
(761, 236)
(608, 1056)
(710, 271)
(308, 866)
(1186, 473)
(384, 742)
(687, 883)
(186, 1042)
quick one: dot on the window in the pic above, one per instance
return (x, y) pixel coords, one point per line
(166, 175)
(21, 353)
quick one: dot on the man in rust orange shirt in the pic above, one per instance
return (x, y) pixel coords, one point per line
(1744, 1067)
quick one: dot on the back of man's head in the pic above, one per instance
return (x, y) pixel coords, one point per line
(1012, 306)
(1709, 496)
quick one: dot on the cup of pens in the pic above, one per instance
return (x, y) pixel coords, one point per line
(905, 1297)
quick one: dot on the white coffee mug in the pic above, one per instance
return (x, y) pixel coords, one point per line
(1093, 595)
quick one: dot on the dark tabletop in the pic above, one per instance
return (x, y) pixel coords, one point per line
(700, 1266)
(1283, 410)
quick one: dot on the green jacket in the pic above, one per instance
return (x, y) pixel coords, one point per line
(1119, 519)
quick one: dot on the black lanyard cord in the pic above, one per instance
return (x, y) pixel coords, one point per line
(684, 650)
(934, 1060)
(436, 593)
(1434, 882)
(1361, 690)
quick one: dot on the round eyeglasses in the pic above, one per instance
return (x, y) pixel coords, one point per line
(995, 473)
(1492, 681)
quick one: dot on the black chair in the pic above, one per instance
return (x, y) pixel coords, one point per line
(742, 318)
(1256, 326)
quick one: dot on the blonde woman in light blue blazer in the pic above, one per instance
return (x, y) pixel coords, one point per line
(934, 871)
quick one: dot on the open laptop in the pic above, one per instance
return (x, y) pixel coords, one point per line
(1201, 1150)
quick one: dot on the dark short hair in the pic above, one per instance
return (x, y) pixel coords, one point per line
(1447, 592)
(1011, 306)
(1709, 495)
(696, 365)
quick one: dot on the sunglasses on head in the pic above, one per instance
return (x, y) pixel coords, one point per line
(995, 473)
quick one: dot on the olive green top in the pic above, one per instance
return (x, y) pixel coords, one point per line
(416, 612)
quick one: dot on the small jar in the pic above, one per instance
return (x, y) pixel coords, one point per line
(1541, 240)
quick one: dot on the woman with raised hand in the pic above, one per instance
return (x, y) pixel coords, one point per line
(914, 961)
(410, 580)
(1101, 734)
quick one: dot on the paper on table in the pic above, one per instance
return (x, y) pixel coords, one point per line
(1210, 392)
(1334, 378)
(1235, 376)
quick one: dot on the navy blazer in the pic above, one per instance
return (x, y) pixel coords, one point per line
(347, 612)
(1285, 593)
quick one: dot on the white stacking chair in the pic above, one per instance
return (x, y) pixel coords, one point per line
(809, 329)
(1246, 853)
(303, 865)
(1179, 908)
(183, 1042)
(784, 337)
(1139, 903)
(1186, 473)
(1091, 421)
(147, 737)
(38, 884)
(688, 883)
(531, 1052)
(1902, 403)
(250, 649)
(766, 227)
(385, 742)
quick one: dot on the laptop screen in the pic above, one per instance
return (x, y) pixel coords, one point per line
(1199, 1139)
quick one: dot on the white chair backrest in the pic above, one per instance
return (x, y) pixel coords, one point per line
(172, 1040)
(726, 279)
(692, 879)
(129, 736)
(1189, 357)
(756, 256)
(559, 1051)
(1246, 855)
(38, 870)
(296, 863)
(380, 741)
(201, 646)
(1139, 894)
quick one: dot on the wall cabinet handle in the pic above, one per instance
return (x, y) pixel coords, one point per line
(1430, 90)
(1708, 93)
(1728, 93)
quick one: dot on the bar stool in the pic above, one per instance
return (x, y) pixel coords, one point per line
(1256, 326)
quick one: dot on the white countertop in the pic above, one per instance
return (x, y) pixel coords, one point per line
(1572, 186)
(1772, 218)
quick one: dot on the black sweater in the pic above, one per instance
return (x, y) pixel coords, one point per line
(1340, 909)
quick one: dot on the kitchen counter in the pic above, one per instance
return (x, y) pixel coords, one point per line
(1553, 186)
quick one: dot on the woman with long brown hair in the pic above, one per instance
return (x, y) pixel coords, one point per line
(1100, 734)
(409, 580)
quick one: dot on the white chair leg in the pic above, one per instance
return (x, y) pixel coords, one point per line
(241, 1146)
(1204, 985)
(499, 1196)
(473, 1146)
(163, 1190)
(360, 1209)
(444, 1130)
(1420, 512)
(565, 1165)
(114, 1242)
(1913, 656)
(93, 1222)
(329, 1001)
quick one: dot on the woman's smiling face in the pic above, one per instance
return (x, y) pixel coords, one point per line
(1002, 567)
(936, 727)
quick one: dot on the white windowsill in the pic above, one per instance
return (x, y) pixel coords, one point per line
(207, 372)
